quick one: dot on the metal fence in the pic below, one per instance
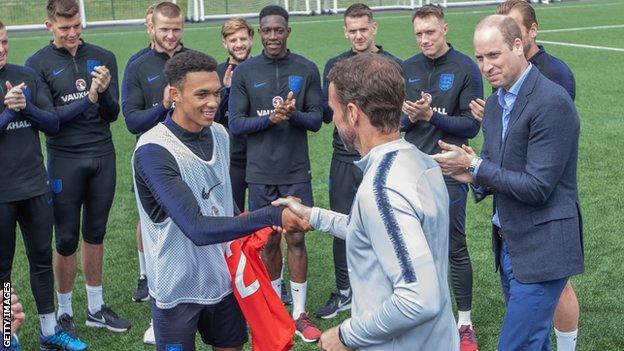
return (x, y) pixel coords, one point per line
(31, 14)
(201, 10)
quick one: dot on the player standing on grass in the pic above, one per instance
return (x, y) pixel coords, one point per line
(566, 316)
(24, 192)
(344, 175)
(141, 293)
(275, 100)
(237, 39)
(440, 83)
(184, 198)
(81, 159)
(397, 242)
(146, 101)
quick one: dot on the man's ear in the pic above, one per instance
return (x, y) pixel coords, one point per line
(375, 26)
(48, 25)
(533, 31)
(175, 93)
(353, 114)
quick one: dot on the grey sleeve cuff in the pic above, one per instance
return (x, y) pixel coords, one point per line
(329, 221)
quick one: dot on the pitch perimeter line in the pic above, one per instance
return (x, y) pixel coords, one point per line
(606, 48)
(579, 29)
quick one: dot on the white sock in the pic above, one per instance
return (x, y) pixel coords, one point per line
(64, 304)
(566, 341)
(463, 318)
(277, 286)
(142, 263)
(48, 323)
(95, 300)
(299, 292)
(345, 292)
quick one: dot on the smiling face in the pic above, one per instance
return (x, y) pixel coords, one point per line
(430, 35)
(274, 32)
(361, 33)
(65, 32)
(238, 45)
(499, 63)
(167, 32)
(197, 100)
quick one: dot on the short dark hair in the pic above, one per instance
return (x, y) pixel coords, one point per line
(61, 8)
(358, 10)
(273, 10)
(429, 10)
(185, 62)
(509, 29)
(166, 9)
(526, 10)
(375, 84)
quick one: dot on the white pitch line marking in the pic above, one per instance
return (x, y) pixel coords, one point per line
(606, 48)
(576, 29)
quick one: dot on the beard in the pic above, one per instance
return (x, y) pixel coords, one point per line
(165, 45)
(240, 59)
(348, 137)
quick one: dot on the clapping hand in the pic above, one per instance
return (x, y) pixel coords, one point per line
(284, 111)
(17, 313)
(455, 161)
(419, 110)
(102, 77)
(227, 76)
(14, 98)
(477, 108)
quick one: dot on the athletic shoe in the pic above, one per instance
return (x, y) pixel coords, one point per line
(149, 337)
(61, 340)
(336, 303)
(141, 293)
(306, 329)
(467, 339)
(66, 322)
(286, 296)
(106, 318)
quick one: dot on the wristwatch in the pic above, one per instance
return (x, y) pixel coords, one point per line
(473, 164)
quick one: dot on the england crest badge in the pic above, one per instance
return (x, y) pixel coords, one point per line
(446, 81)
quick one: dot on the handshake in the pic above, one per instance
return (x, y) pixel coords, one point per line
(295, 217)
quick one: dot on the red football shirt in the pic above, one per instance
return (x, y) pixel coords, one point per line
(272, 328)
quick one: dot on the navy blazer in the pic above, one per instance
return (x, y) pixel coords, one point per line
(532, 174)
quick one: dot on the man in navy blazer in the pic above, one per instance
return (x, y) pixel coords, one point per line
(528, 162)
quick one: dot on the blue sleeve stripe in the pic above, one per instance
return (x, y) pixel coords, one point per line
(389, 220)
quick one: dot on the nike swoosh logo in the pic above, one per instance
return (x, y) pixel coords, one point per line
(56, 72)
(101, 320)
(413, 80)
(151, 79)
(258, 85)
(206, 195)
